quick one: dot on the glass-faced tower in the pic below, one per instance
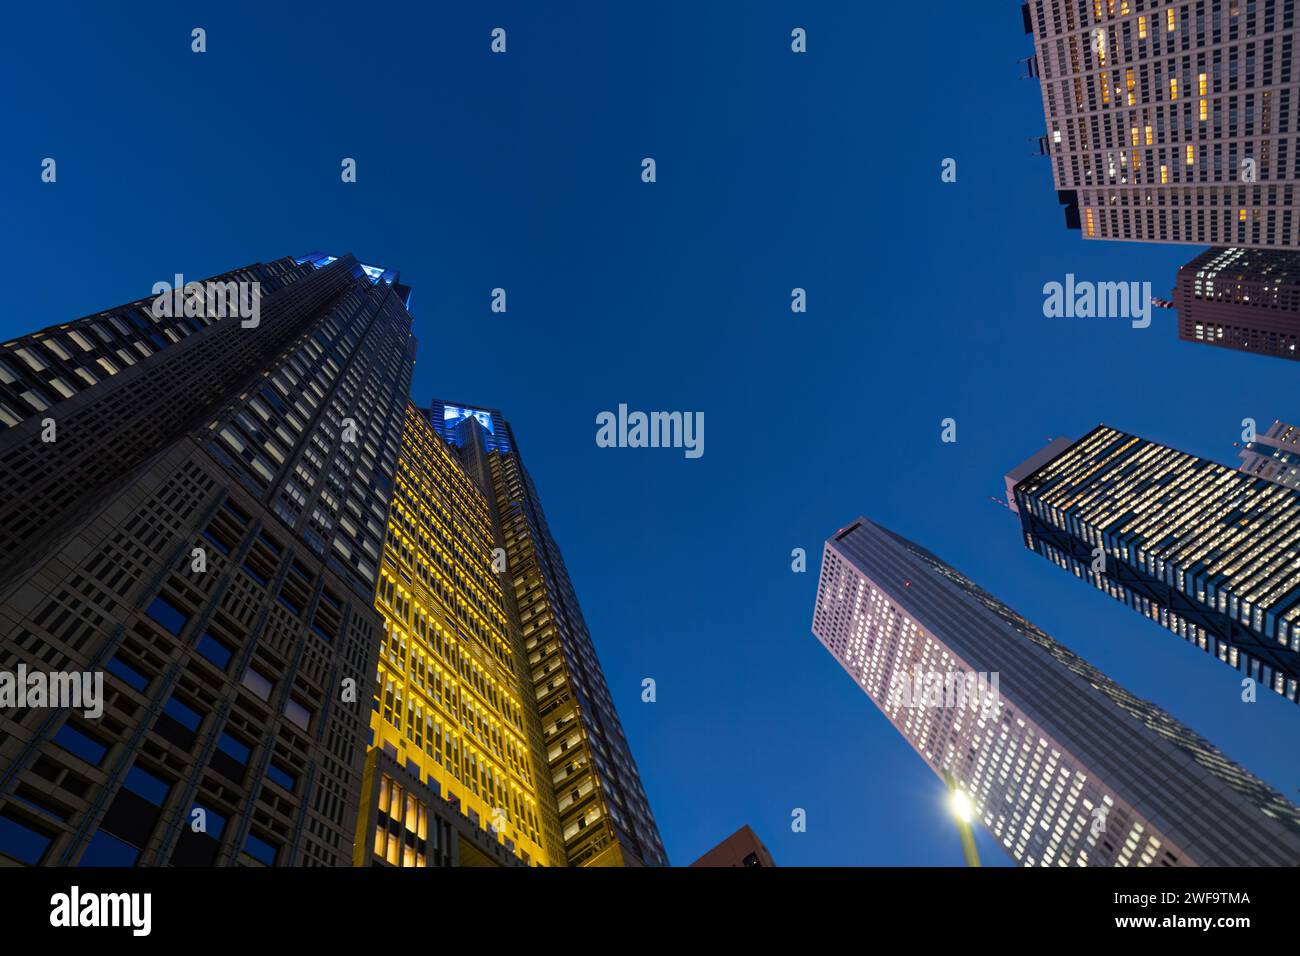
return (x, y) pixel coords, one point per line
(1208, 552)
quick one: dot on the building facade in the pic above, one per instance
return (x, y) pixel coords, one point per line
(604, 816)
(1243, 299)
(453, 704)
(1274, 456)
(742, 848)
(1208, 552)
(1171, 120)
(222, 505)
(195, 508)
(406, 822)
(1062, 765)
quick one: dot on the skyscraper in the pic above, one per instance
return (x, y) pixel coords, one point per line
(196, 493)
(1274, 456)
(1169, 120)
(604, 817)
(1244, 299)
(1210, 553)
(459, 775)
(1062, 765)
(223, 505)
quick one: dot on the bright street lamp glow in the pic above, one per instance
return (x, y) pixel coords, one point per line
(962, 806)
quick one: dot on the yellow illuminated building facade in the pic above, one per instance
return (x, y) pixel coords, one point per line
(449, 709)
(600, 816)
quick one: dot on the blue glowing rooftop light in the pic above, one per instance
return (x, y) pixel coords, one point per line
(376, 274)
(456, 413)
(318, 259)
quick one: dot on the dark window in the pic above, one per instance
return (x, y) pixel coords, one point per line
(184, 715)
(199, 849)
(107, 850)
(231, 758)
(144, 784)
(167, 614)
(214, 650)
(85, 747)
(299, 714)
(258, 683)
(234, 748)
(259, 849)
(216, 823)
(20, 841)
(128, 674)
(178, 724)
(281, 776)
(220, 545)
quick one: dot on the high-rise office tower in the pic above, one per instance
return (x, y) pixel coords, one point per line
(1244, 299)
(1274, 456)
(196, 489)
(1061, 764)
(1171, 120)
(457, 775)
(1210, 553)
(604, 817)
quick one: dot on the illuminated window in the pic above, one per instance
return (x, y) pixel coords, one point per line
(1164, 174)
(1171, 20)
(1191, 154)
(1204, 85)
(1142, 28)
(1090, 227)
(1205, 110)
(1173, 87)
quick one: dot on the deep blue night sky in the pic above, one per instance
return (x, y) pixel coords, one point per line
(775, 170)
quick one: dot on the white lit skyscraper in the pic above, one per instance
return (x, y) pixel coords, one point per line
(1171, 120)
(1065, 767)
(1205, 551)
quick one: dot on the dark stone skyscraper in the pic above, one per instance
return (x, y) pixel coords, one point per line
(604, 816)
(194, 508)
(1243, 299)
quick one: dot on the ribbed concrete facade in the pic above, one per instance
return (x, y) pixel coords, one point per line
(200, 528)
